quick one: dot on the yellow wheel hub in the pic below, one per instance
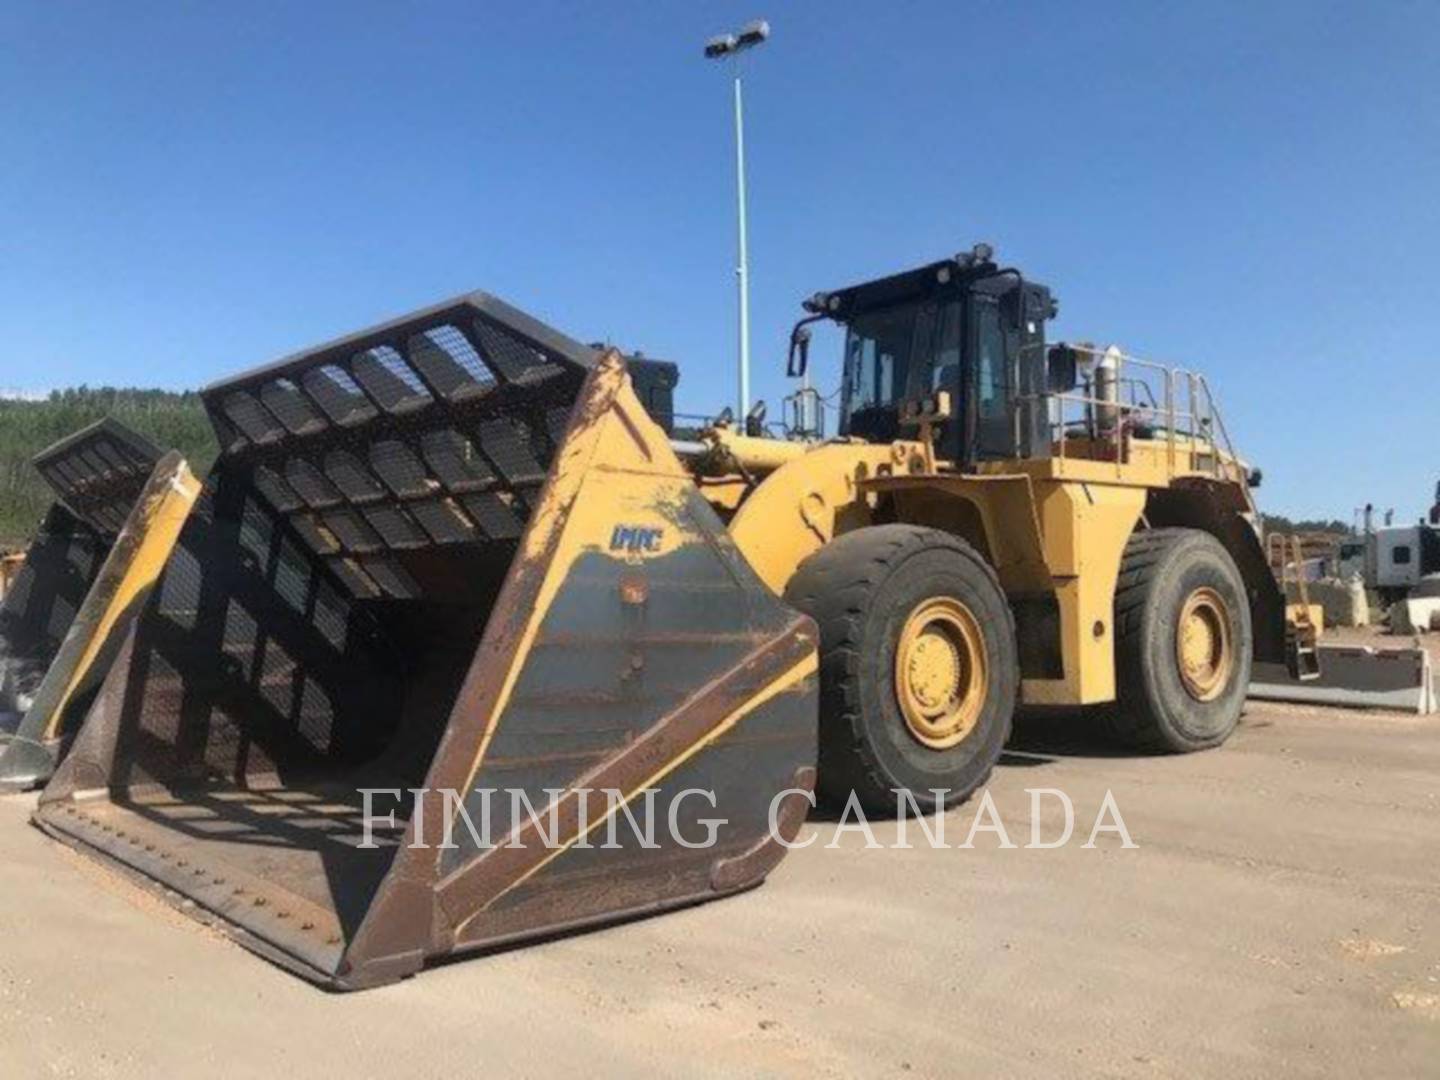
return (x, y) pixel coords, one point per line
(1203, 647)
(941, 672)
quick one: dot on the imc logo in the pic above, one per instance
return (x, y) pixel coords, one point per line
(635, 538)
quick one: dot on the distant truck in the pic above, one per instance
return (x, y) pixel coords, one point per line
(1392, 559)
(1403, 555)
(1351, 561)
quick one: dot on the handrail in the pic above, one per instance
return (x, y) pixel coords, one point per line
(1185, 410)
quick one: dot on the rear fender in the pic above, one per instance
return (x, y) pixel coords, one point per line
(1219, 509)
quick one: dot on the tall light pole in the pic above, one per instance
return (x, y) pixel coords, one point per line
(722, 47)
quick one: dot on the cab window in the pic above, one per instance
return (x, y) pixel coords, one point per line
(994, 435)
(990, 367)
(877, 354)
(946, 372)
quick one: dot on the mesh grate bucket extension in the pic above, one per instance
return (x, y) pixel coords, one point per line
(104, 618)
(450, 553)
(97, 474)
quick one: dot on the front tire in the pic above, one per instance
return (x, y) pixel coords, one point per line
(1183, 642)
(918, 664)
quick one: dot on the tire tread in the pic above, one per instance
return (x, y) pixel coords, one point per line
(836, 587)
(1130, 720)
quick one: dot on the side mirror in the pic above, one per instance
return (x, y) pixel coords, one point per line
(799, 352)
(1062, 369)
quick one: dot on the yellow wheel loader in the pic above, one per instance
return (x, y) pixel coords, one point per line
(119, 505)
(1003, 522)
(449, 575)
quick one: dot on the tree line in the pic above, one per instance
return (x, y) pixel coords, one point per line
(1280, 523)
(168, 419)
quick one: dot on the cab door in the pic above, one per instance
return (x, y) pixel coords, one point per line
(990, 392)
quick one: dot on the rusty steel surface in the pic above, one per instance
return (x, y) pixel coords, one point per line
(105, 615)
(97, 473)
(9, 567)
(410, 568)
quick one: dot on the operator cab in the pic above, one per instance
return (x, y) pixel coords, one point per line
(964, 326)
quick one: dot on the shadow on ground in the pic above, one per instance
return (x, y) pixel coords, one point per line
(1040, 736)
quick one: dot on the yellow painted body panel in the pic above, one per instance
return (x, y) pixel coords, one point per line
(804, 504)
(1151, 463)
(1086, 527)
(1004, 524)
(133, 565)
(752, 453)
(1313, 613)
(1047, 525)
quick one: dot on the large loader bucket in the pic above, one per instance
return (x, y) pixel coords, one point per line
(97, 474)
(114, 598)
(450, 554)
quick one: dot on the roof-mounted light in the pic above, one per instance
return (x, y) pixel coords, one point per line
(721, 45)
(750, 35)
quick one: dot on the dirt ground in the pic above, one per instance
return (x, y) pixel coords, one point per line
(1280, 916)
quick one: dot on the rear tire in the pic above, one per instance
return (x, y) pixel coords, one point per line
(940, 718)
(1183, 642)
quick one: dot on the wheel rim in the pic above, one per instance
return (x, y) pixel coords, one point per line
(941, 672)
(1203, 647)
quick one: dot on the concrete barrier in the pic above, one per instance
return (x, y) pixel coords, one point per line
(1356, 677)
(1417, 615)
(1344, 602)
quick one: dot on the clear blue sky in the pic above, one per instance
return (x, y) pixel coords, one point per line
(1250, 188)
